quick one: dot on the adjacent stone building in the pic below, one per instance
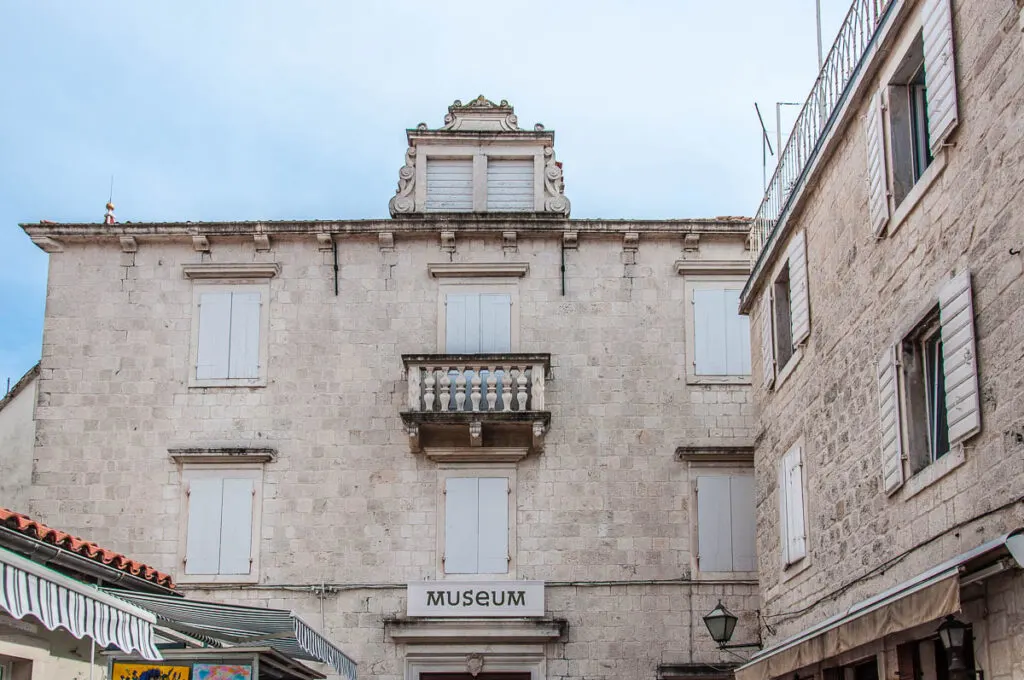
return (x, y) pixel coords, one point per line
(479, 438)
(17, 440)
(886, 304)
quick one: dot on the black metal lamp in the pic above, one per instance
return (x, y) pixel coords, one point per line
(721, 623)
(953, 635)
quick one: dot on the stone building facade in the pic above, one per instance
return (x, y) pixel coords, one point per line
(17, 440)
(329, 416)
(886, 309)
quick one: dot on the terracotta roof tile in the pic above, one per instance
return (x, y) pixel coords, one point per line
(29, 527)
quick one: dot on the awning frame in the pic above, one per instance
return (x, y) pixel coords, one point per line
(59, 601)
(233, 626)
(1012, 542)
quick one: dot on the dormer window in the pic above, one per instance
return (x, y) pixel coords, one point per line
(480, 162)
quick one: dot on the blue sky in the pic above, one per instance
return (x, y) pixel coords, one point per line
(295, 110)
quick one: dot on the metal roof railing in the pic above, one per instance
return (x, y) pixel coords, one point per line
(815, 119)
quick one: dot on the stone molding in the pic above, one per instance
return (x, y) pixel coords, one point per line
(716, 454)
(222, 454)
(684, 267)
(476, 454)
(438, 630)
(441, 270)
(231, 270)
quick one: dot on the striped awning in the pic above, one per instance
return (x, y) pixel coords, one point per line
(57, 601)
(234, 625)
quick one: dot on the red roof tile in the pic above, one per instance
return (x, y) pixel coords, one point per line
(29, 527)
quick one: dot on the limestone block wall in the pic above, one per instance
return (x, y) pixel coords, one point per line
(346, 502)
(17, 441)
(862, 291)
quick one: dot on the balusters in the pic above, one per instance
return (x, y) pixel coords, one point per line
(428, 390)
(506, 389)
(446, 388)
(460, 391)
(492, 384)
(474, 396)
(521, 389)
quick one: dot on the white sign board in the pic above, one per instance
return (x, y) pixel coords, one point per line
(476, 598)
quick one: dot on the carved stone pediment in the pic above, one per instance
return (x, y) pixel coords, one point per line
(481, 114)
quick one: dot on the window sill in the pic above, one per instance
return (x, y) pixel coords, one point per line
(692, 379)
(787, 370)
(739, 576)
(199, 580)
(794, 569)
(228, 382)
(931, 474)
(917, 192)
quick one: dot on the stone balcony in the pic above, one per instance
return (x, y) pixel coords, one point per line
(474, 407)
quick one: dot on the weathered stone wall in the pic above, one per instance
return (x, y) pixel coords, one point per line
(346, 501)
(862, 292)
(17, 440)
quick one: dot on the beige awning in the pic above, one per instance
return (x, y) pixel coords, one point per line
(925, 602)
(927, 597)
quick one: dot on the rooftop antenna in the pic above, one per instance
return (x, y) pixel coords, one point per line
(765, 143)
(108, 217)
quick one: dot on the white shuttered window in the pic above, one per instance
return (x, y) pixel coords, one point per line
(960, 359)
(478, 323)
(725, 523)
(449, 185)
(721, 335)
(220, 508)
(476, 525)
(792, 516)
(510, 184)
(940, 73)
(878, 180)
(228, 345)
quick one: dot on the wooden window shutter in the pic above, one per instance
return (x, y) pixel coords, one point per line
(744, 548)
(709, 332)
(236, 527)
(214, 336)
(495, 323)
(510, 184)
(889, 422)
(202, 541)
(767, 341)
(795, 523)
(714, 523)
(939, 72)
(492, 541)
(878, 178)
(737, 336)
(782, 476)
(461, 525)
(461, 332)
(244, 353)
(960, 360)
(449, 185)
(800, 312)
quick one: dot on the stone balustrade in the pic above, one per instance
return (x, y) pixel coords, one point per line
(476, 383)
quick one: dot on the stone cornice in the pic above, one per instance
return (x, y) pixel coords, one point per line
(231, 270)
(524, 225)
(440, 270)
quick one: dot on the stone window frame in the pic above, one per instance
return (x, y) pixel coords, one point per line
(471, 285)
(712, 281)
(190, 469)
(456, 658)
(911, 31)
(717, 460)
(479, 153)
(447, 471)
(224, 285)
(919, 477)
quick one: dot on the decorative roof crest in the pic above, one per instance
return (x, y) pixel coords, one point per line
(481, 114)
